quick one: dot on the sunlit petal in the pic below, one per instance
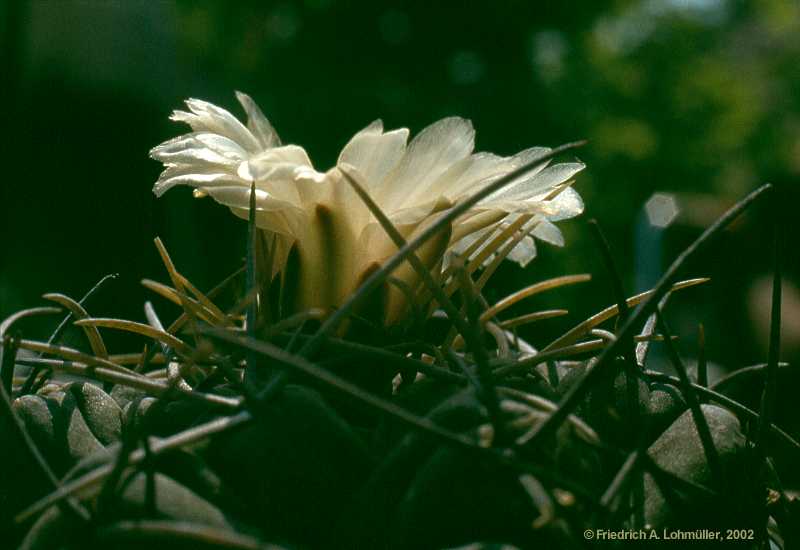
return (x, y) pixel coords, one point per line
(257, 123)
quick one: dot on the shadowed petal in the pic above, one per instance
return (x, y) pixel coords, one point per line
(548, 232)
(523, 252)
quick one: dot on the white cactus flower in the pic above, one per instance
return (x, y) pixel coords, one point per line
(337, 239)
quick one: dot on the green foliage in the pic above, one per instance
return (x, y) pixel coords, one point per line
(424, 441)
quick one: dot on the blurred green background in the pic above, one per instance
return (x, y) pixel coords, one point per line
(698, 99)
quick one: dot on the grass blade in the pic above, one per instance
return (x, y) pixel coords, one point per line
(71, 355)
(712, 456)
(142, 329)
(78, 312)
(532, 290)
(532, 318)
(769, 395)
(585, 327)
(9, 345)
(577, 392)
(197, 309)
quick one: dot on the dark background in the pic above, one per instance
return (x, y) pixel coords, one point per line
(695, 98)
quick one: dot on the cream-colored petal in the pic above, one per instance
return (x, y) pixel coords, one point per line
(194, 156)
(277, 170)
(523, 158)
(476, 221)
(206, 117)
(567, 204)
(239, 197)
(271, 215)
(257, 123)
(533, 206)
(530, 155)
(374, 153)
(532, 185)
(223, 147)
(523, 252)
(261, 166)
(548, 232)
(334, 191)
(428, 156)
(197, 168)
(196, 180)
(282, 186)
(415, 214)
(464, 177)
